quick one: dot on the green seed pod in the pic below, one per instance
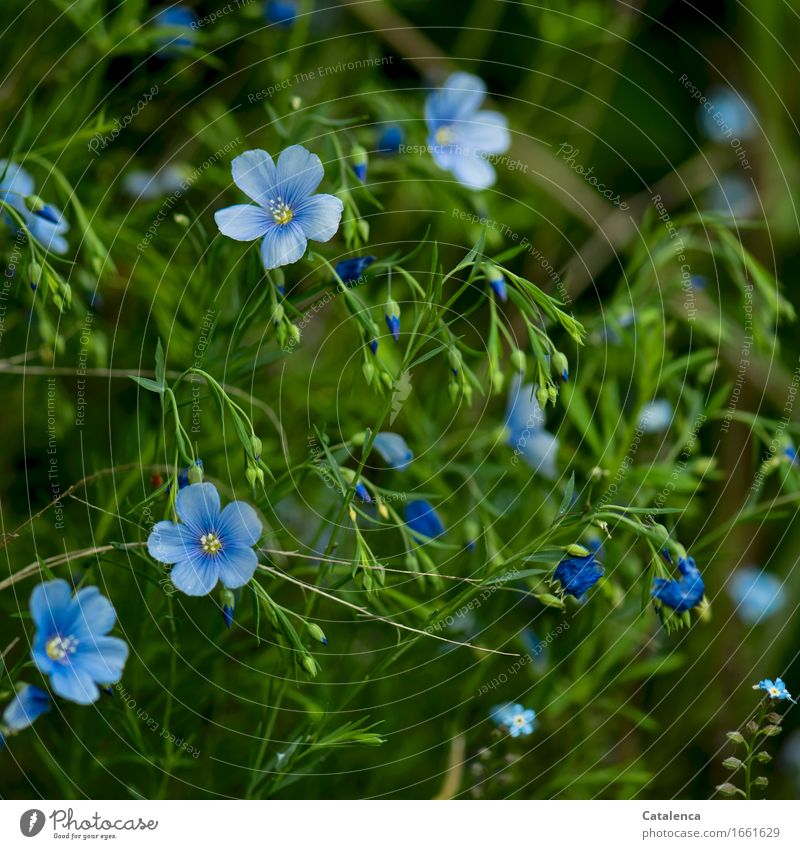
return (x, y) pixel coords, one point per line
(316, 633)
(561, 365)
(518, 360)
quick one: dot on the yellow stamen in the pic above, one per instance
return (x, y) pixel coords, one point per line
(210, 543)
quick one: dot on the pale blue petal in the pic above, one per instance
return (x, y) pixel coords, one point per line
(239, 525)
(237, 566)
(460, 97)
(656, 416)
(299, 174)
(319, 217)
(486, 132)
(50, 604)
(243, 222)
(171, 543)
(102, 658)
(473, 171)
(394, 449)
(91, 614)
(198, 506)
(71, 682)
(255, 174)
(539, 451)
(47, 232)
(196, 576)
(283, 244)
(26, 707)
(523, 411)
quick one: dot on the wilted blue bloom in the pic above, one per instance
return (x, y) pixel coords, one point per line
(514, 718)
(756, 593)
(362, 492)
(183, 474)
(683, 594)
(578, 574)
(526, 434)
(288, 213)
(390, 139)
(208, 544)
(423, 520)
(731, 117)
(394, 449)
(774, 689)
(460, 136)
(71, 645)
(25, 708)
(180, 19)
(656, 416)
(350, 270)
(281, 12)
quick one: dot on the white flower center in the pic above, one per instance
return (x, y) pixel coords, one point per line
(518, 720)
(58, 648)
(444, 135)
(281, 211)
(211, 543)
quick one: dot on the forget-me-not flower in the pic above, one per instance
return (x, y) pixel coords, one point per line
(394, 449)
(71, 644)
(460, 135)
(287, 212)
(578, 573)
(208, 544)
(774, 689)
(517, 720)
(423, 520)
(757, 594)
(525, 422)
(25, 708)
(686, 592)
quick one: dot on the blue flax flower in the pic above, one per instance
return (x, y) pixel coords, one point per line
(729, 116)
(525, 428)
(460, 136)
(774, 689)
(362, 492)
(390, 139)
(394, 449)
(16, 184)
(577, 574)
(350, 270)
(423, 520)
(683, 594)
(656, 416)
(288, 213)
(514, 718)
(25, 708)
(281, 12)
(46, 225)
(182, 22)
(208, 544)
(756, 593)
(71, 645)
(497, 281)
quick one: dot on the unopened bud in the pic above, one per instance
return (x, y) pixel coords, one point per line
(316, 633)
(518, 360)
(561, 365)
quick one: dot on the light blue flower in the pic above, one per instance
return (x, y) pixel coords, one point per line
(460, 136)
(288, 213)
(394, 449)
(47, 225)
(756, 593)
(656, 416)
(423, 520)
(71, 645)
(517, 720)
(16, 184)
(182, 22)
(685, 593)
(25, 708)
(730, 117)
(527, 437)
(208, 544)
(776, 689)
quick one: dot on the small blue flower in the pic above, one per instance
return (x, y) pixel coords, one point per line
(288, 213)
(498, 284)
(578, 574)
(729, 116)
(756, 593)
(790, 453)
(373, 346)
(208, 544)
(362, 492)
(394, 449)
(350, 270)
(183, 474)
(47, 225)
(281, 12)
(25, 708)
(656, 416)
(227, 600)
(423, 520)
(683, 594)
(16, 184)
(460, 136)
(698, 282)
(525, 427)
(391, 312)
(774, 689)
(390, 139)
(183, 21)
(514, 718)
(71, 645)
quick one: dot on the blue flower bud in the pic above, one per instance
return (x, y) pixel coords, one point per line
(496, 281)
(363, 493)
(358, 158)
(227, 601)
(390, 139)
(281, 12)
(350, 270)
(373, 346)
(184, 478)
(392, 314)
